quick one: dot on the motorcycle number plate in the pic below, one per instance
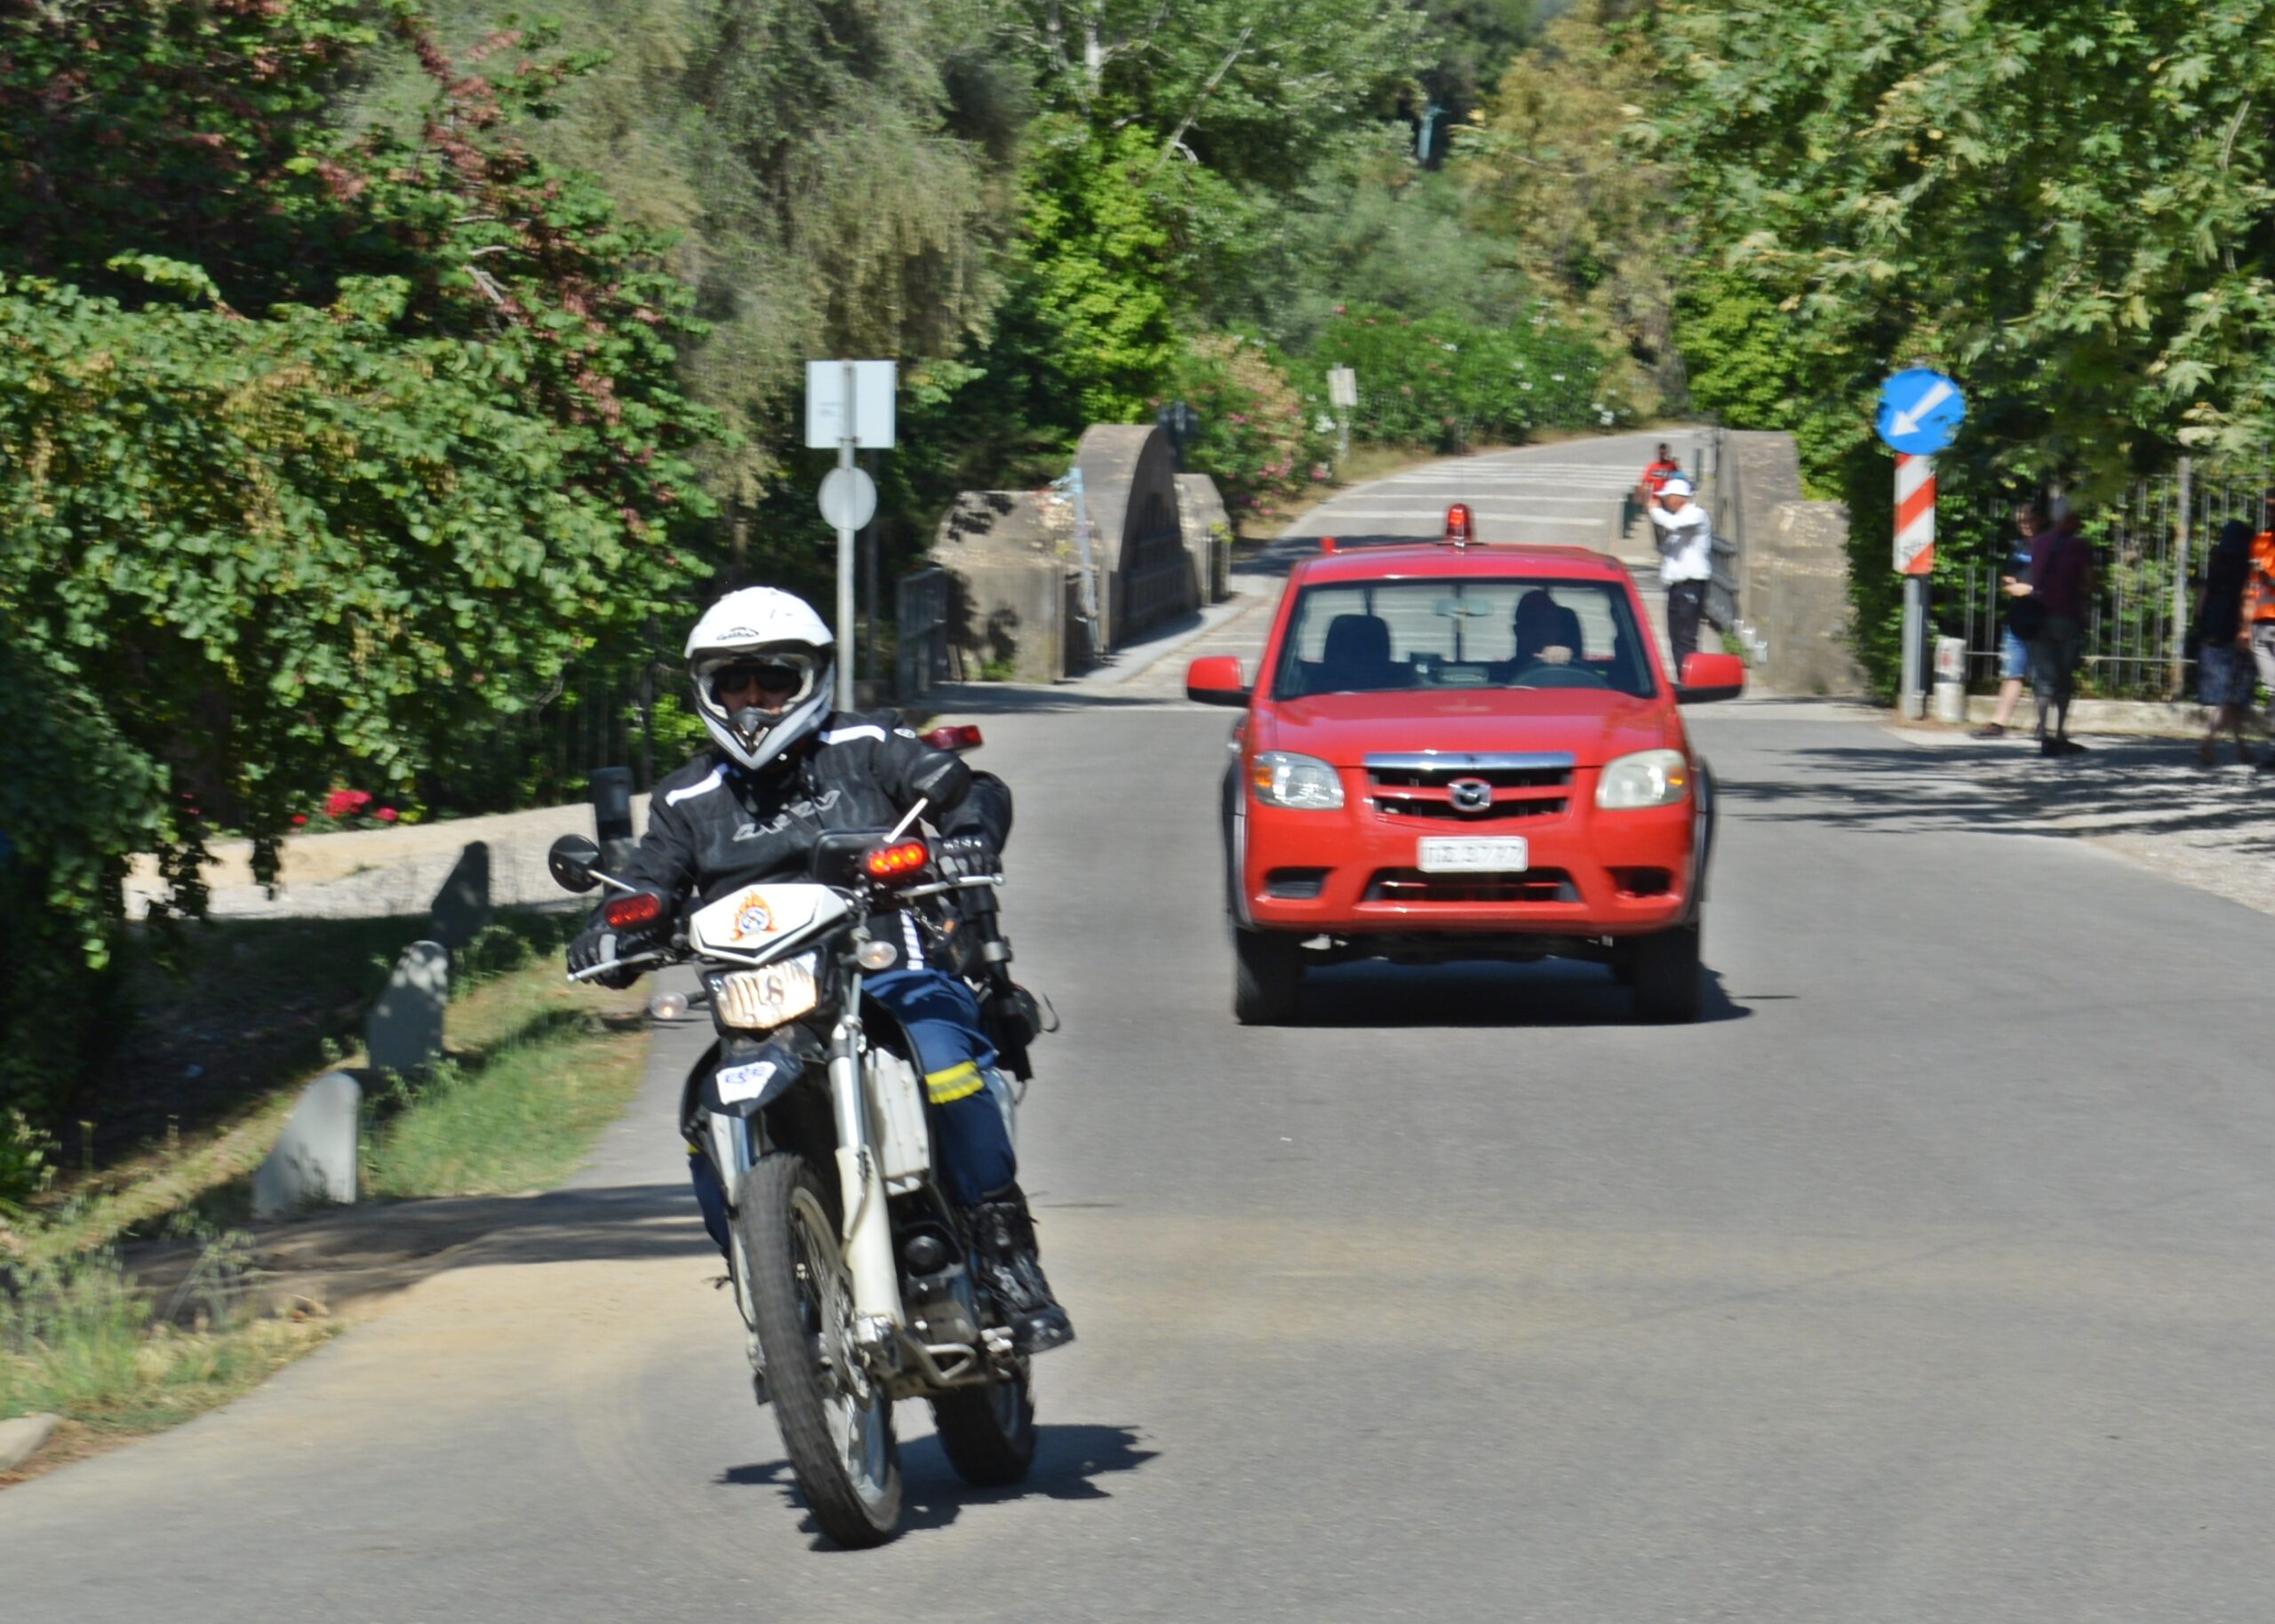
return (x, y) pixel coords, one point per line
(759, 1001)
(1448, 855)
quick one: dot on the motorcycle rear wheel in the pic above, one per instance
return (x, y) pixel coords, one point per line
(837, 1422)
(988, 1432)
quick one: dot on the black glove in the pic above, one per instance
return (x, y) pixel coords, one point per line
(601, 943)
(959, 856)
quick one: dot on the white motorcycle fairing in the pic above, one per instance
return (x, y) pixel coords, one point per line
(755, 924)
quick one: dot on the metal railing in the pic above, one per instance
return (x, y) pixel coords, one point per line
(921, 600)
(2148, 550)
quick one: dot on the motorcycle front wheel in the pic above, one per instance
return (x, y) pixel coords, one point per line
(988, 1432)
(836, 1422)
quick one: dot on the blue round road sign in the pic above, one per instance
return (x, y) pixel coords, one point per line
(1920, 411)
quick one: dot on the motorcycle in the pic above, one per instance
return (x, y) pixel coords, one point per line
(852, 1270)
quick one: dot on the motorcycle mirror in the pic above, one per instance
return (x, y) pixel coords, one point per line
(571, 860)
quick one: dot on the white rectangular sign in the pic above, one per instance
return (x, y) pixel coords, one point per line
(1342, 387)
(874, 382)
(1440, 855)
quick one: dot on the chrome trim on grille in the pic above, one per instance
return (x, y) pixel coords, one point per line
(1457, 761)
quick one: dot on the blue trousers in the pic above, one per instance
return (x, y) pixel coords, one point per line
(971, 1139)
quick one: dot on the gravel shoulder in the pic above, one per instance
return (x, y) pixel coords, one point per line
(2149, 801)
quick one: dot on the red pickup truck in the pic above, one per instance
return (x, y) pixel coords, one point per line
(1453, 751)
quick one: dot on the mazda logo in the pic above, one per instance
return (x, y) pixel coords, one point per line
(1470, 794)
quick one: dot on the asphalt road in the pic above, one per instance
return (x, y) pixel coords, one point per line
(1929, 1278)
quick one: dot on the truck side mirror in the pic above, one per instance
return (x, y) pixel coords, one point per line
(1710, 676)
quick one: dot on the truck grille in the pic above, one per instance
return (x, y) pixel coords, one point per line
(1470, 788)
(1411, 884)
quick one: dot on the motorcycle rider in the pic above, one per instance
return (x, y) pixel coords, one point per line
(783, 767)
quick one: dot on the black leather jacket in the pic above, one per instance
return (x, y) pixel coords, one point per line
(712, 826)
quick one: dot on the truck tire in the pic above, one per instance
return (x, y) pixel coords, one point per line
(1267, 977)
(1667, 977)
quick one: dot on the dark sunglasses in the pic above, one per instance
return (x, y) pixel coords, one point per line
(773, 679)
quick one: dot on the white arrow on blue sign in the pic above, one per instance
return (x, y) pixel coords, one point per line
(1920, 411)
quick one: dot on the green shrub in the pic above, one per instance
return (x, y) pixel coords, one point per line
(1447, 383)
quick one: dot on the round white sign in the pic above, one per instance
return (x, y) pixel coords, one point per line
(849, 498)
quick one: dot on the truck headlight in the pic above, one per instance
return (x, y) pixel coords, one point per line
(1648, 778)
(1305, 783)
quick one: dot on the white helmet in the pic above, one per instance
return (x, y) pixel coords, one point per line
(759, 625)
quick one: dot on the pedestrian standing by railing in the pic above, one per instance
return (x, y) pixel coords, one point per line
(1686, 563)
(2061, 581)
(2019, 620)
(2259, 609)
(2224, 671)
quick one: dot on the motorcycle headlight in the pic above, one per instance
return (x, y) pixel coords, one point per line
(1648, 778)
(1305, 783)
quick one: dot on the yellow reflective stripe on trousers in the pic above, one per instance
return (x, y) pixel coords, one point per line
(958, 1082)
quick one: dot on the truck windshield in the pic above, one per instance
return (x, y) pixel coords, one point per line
(1369, 637)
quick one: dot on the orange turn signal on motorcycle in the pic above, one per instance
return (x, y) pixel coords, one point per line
(903, 860)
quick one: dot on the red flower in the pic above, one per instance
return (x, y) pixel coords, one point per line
(346, 803)
(299, 818)
(386, 814)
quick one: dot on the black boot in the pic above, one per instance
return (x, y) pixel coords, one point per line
(1004, 1256)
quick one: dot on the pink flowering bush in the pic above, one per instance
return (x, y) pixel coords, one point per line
(1255, 437)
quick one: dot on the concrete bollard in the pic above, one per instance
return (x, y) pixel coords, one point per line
(406, 1031)
(1951, 679)
(315, 1160)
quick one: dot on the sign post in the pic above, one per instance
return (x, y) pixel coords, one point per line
(1343, 394)
(1920, 411)
(848, 405)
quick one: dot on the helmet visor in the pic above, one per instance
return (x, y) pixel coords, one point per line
(752, 690)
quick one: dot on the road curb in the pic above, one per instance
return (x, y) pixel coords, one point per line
(21, 1438)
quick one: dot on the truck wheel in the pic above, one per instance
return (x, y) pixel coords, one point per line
(1666, 975)
(1267, 977)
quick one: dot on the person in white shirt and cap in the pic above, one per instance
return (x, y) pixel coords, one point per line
(1686, 563)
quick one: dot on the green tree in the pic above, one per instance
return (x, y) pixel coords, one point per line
(1562, 164)
(313, 518)
(2064, 204)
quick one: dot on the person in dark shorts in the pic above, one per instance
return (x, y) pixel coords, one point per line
(2061, 581)
(2017, 624)
(2226, 674)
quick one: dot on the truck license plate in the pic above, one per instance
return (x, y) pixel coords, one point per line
(1441, 855)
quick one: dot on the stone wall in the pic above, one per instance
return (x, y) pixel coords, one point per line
(1793, 567)
(1009, 558)
(1207, 535)
(1014, 564)
(1129, 481)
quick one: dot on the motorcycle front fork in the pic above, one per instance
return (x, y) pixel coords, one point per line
(877, 1307)
(868, 1237)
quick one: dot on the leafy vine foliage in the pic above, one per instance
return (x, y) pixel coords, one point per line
(315, 448)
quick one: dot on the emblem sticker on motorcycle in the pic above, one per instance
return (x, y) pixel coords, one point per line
(752, 917)
(740, 1083)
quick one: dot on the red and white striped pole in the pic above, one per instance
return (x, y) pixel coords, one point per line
(1915, 561)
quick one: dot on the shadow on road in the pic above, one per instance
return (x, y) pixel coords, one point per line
(346, 1256)
(1068, 1462)
(2130, 786)
(1553, 992)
